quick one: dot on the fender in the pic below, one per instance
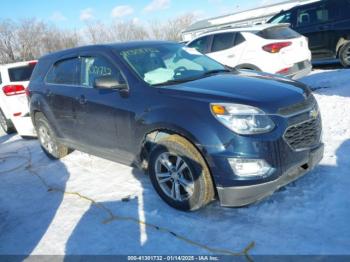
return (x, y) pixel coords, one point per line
(39, 104)
(189, 125)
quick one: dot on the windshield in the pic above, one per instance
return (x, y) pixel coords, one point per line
(169, 63)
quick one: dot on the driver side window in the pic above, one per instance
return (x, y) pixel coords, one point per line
(97, 67)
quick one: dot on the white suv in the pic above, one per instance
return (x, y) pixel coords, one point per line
(14, 111)
(275, 49)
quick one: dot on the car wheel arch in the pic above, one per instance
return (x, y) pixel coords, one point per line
(248, 67)
(341, 42)
(156, 134)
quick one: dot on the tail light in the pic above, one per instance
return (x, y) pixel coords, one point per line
(12, 90)
(276, 47)
(284, 71)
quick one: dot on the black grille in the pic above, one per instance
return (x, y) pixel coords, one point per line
(304, 135)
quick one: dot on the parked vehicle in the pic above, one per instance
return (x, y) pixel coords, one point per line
(274, 49)
(198, 127)
(327, 26)
(14, 111)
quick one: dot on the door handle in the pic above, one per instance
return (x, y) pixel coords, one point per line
(81, 99)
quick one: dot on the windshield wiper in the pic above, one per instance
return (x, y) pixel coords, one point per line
(175, 81)
(214, 72)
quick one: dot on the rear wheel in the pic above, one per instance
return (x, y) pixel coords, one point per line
(6, 124)
(51, 147)
(180, 175)
(344, 55)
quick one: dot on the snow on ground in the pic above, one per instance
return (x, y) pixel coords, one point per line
(309, 216)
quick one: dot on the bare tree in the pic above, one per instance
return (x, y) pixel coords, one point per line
(96, 32)
(171, 29)
(30, 38)
(127, 30)
(7, 41)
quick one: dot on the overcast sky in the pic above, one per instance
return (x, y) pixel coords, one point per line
(73, 14)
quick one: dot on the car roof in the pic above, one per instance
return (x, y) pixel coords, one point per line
(254, 28)
(116, 46)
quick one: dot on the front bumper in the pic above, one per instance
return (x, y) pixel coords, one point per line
(244, 195)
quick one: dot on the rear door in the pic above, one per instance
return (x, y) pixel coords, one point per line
(61, 92)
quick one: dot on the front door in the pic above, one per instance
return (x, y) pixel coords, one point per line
(103, 119)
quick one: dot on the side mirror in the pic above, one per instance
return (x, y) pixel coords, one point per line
(108, 82)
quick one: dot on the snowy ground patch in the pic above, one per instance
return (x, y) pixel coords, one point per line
(309, 216)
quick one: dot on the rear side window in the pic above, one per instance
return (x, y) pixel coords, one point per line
(201, 44)
(239, 39)
(64, 72)
(222, 41)
(280, 32)
(23, 73)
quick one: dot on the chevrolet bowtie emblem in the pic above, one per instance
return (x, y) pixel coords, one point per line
(313, 113)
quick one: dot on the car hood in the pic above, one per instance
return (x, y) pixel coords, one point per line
(265, 91)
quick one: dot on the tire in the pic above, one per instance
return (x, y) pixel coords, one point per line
(6, 124)
(190, 176)
(344, 55)
(48, 140)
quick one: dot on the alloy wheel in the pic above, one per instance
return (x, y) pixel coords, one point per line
(346, 55)
(174, 176)
(46, 139)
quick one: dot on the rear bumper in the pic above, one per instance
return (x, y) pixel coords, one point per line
(24, 126)
(300, 70)
(244, 195)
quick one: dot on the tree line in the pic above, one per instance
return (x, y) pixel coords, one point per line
(29, 39)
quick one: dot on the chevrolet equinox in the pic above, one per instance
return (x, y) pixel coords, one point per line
(202, 130)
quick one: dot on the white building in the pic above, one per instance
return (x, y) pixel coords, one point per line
(240, 19)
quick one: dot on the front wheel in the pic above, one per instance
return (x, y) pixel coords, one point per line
(6, 124)
(180, 175)
(48, 141)
(344, 55)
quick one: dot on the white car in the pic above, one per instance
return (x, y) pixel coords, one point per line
(275, 49)
(14, 110)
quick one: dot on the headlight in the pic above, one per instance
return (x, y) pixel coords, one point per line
(242, 119)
